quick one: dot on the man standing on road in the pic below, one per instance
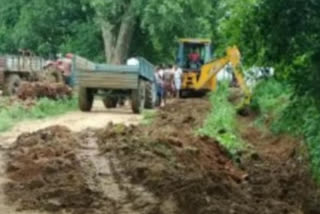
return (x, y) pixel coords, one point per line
(177, 79)
(168, 83)
(159, 86)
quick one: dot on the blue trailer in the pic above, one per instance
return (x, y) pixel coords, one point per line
(115, 83)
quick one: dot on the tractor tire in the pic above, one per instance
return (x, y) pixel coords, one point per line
(86, 98)
(138, 98)
(12, 84)
(110, 102)
(150, 96)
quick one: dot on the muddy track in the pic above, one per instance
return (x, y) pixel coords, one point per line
(160, 168)
(75, 121)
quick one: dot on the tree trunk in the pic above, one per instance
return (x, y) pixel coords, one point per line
(109, 40)
(125, 36)
(117, 42)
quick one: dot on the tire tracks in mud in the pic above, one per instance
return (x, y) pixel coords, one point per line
(116, 188)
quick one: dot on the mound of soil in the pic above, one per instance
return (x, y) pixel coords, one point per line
(196, 175)
(35, 90)
(160, 168)
(46, 172)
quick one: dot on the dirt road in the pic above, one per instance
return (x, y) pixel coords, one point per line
(76, 121)
(162, 168)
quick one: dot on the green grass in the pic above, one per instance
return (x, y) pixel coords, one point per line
(10, 115)
(294, 115)
(269, 99)
(221, 122)
(148, 116)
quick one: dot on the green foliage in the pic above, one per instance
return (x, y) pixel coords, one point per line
(49, 27)
(13, 114)
(236, 26)
(278, 33)
(286, 113)
(302, 118)
(159, 23)
(165, 21)
(270, 97)
(221, 122)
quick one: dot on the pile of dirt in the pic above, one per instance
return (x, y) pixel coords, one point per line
(192, 174)
(46, 172)
(188, 173)
(35, 90)
(160, 168)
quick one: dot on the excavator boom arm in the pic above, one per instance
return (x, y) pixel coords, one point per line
(210, 70)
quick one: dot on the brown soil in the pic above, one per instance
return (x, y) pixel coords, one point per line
(278, 171)
(47, 172)
(162, 168)
(35, 90)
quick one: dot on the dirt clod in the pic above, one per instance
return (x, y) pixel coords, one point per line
(36, 90)
(47, 172)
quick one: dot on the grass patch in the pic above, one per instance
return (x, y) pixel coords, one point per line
(221, 123)
(148, 116)
(269, 99)
(10, 115)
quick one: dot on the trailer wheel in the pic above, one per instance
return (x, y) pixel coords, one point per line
(110, 102)
(151, 95)
(86, 97)
(12, 84)
(138, 98)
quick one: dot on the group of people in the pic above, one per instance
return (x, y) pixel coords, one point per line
(168, 82)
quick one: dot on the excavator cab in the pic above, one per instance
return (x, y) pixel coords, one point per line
(187, 47)
(202, 48)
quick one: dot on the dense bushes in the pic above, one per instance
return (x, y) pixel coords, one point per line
(269, 99)
(289, 113)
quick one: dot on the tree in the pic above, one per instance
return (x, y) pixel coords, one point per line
(289, 35)
(161, 22)
(49, 27)
(118, 21)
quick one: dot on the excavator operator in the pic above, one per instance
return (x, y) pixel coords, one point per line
(194, 60)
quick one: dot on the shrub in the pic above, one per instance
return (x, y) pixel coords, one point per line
(221, 122)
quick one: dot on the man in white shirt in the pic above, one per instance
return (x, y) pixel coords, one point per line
(177, 79)
(159, 86)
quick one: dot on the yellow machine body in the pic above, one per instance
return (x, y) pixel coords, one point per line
(205, 79)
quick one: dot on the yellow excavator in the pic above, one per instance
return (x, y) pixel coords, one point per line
(201, 75)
